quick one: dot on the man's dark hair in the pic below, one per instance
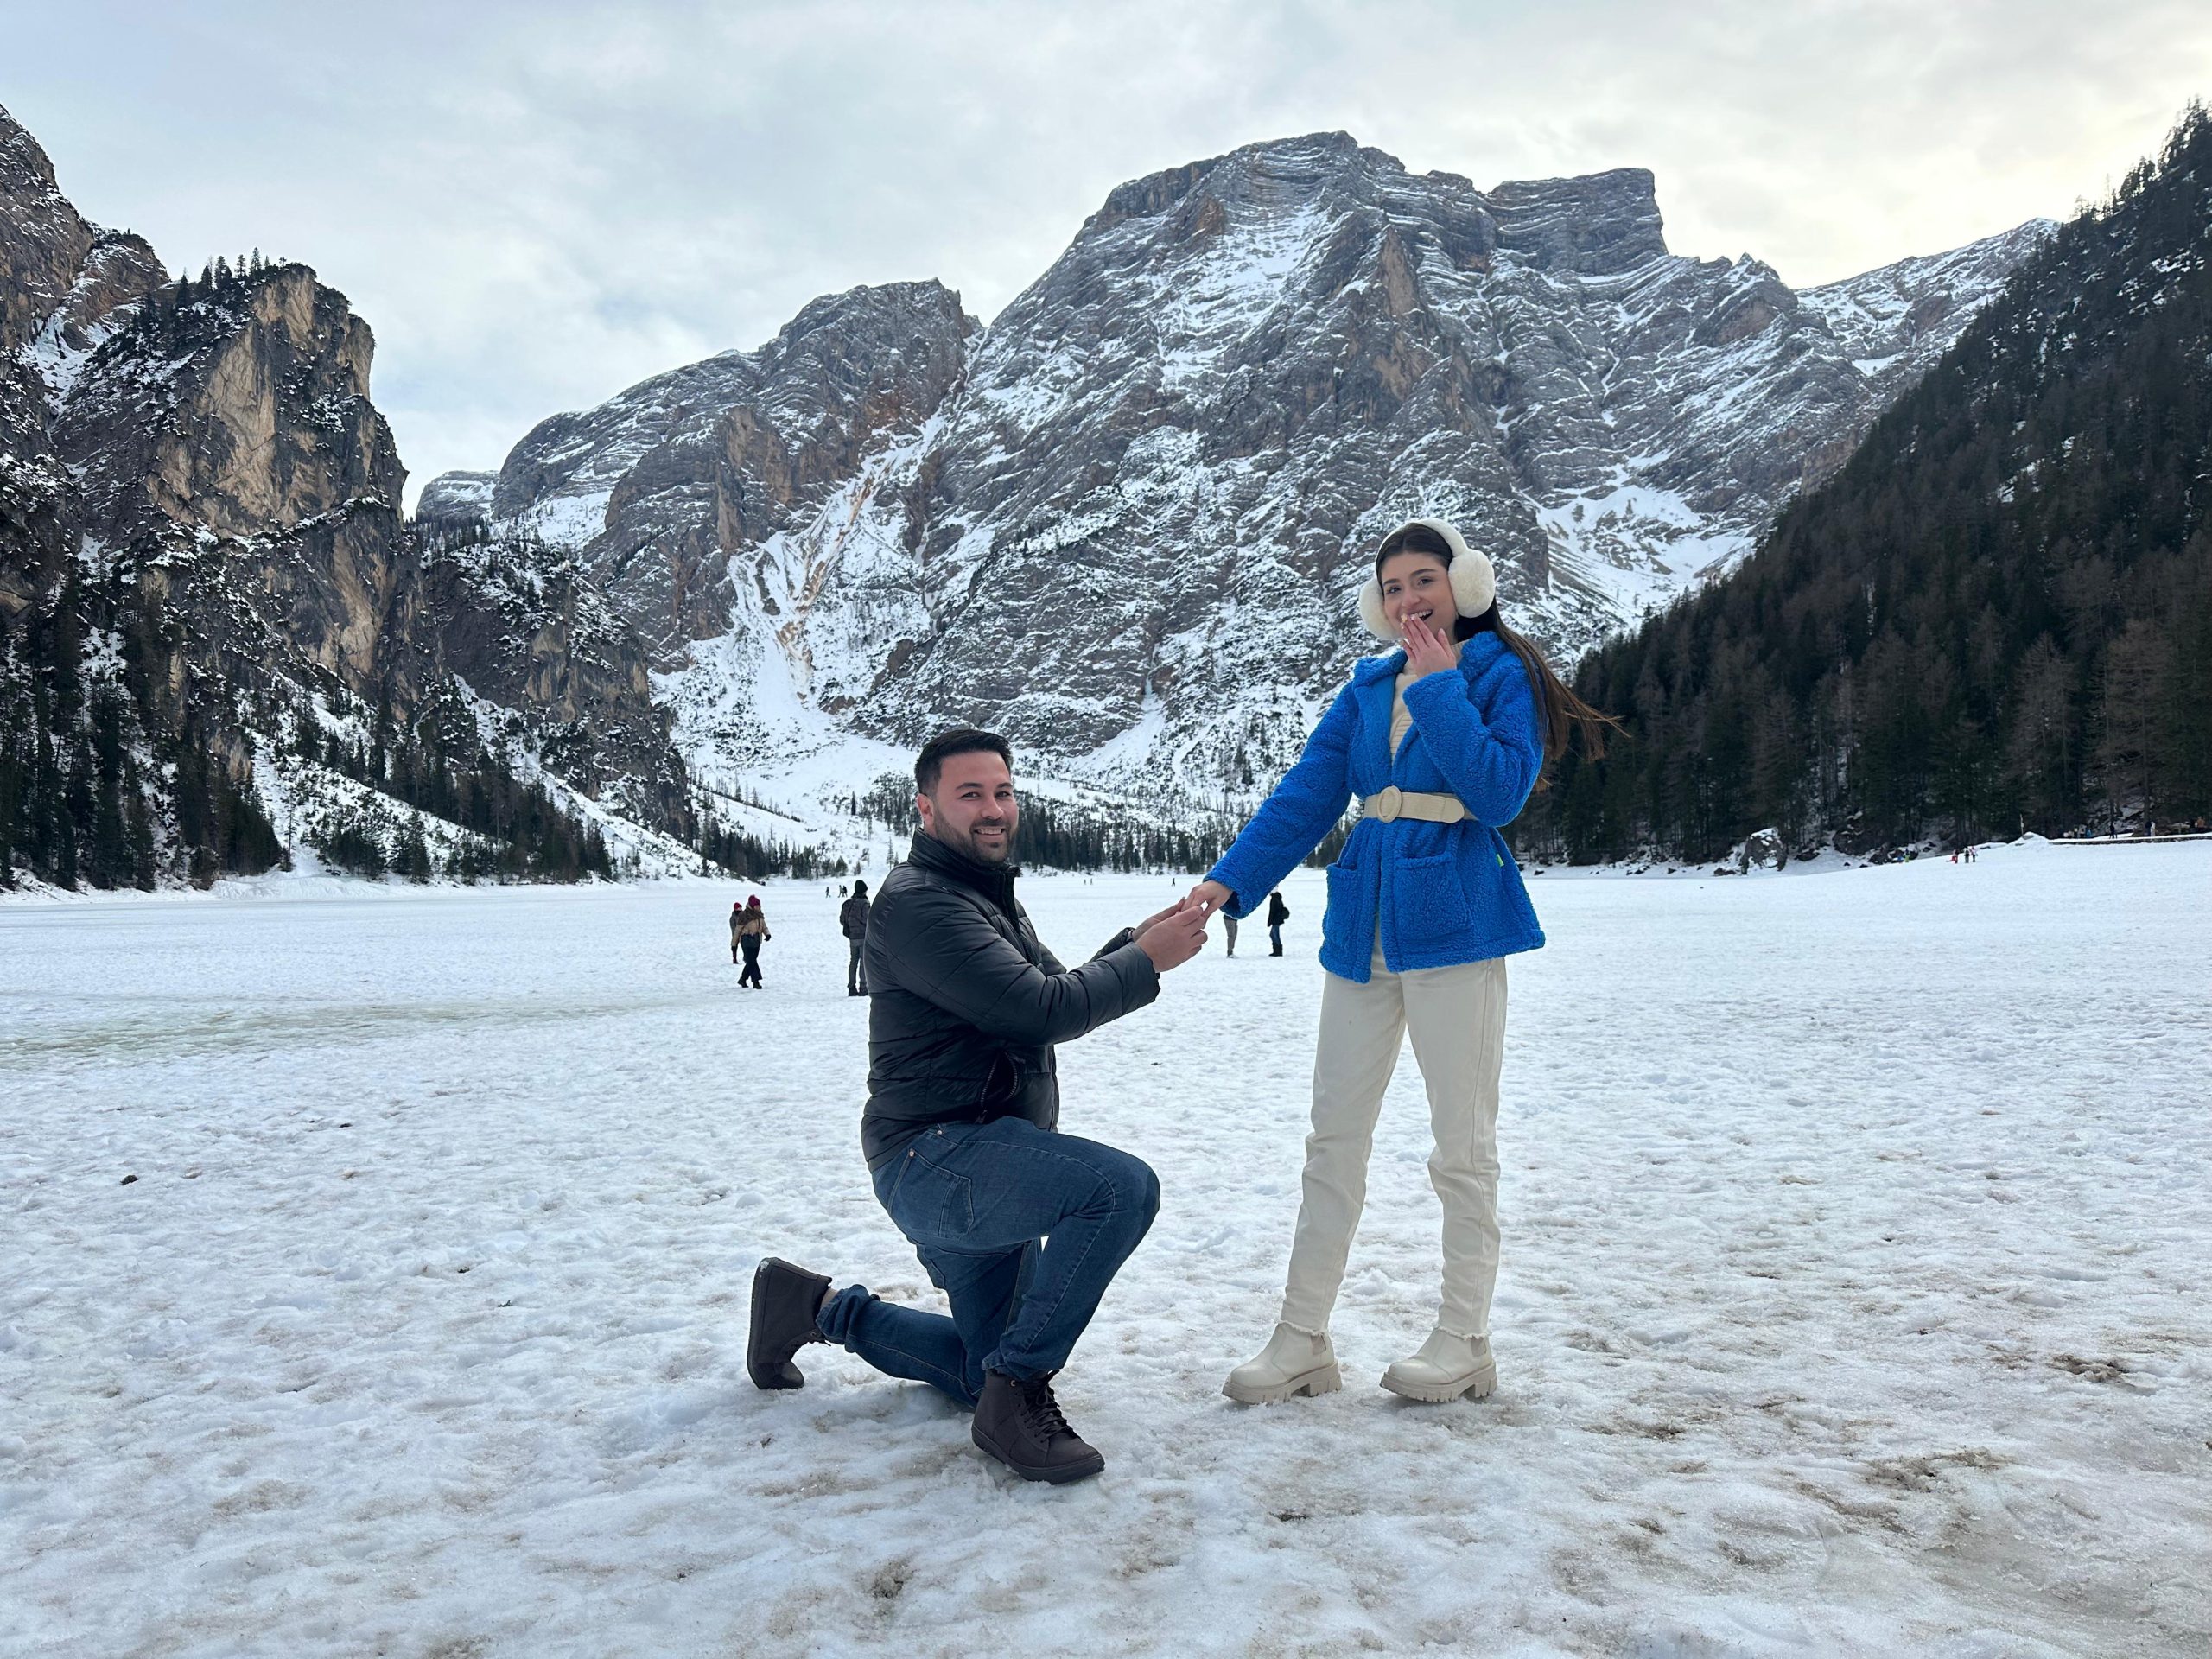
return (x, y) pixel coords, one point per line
(929, 765)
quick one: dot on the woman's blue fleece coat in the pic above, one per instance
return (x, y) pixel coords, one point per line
(1447, 892)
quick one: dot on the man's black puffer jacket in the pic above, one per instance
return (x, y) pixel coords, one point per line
(966, 1003)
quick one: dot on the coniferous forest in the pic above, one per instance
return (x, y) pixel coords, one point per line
(1065, 836)
(1996, 617)
(77, 803)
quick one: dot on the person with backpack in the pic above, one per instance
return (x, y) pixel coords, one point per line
(852, 921)
(1278, 913)
(752, 934)
(1442, 740)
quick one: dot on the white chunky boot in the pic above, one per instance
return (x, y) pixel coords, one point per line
(1445, 1368)
(1293, 1363)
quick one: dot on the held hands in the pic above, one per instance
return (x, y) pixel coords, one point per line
(1428, 650)
(1208, 896)
(1173, 936)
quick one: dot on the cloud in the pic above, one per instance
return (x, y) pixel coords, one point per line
(537, 205)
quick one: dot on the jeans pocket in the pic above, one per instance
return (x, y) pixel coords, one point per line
(930, 1202)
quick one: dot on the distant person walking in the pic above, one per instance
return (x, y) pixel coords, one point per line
(736, 927)
(752, 934)
(1229, 931)
(852, 920)
(1442, 740)
(1278, 913)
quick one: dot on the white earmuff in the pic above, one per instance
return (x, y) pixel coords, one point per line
(1474, 583)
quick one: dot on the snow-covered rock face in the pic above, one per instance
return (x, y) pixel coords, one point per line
(43, 240)
(457, 496)
(655, 491)
(1126, 523)
(1895, 321)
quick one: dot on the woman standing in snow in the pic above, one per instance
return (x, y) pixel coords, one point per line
(752, 933)
(1443, 740)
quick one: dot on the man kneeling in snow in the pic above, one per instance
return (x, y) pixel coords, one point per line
(960, 1136)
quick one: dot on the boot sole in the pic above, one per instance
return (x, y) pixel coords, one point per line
(1478, 1384)
(1322, 1379)
(1058, 1474)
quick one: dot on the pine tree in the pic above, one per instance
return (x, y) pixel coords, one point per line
(1996, 615)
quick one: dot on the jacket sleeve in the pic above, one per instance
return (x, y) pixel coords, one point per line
(941, 948)
(1127, 935)
(1303, 807)
(1483, 736)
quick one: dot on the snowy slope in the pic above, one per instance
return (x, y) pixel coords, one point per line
(1896, 321)
(1855, 1233)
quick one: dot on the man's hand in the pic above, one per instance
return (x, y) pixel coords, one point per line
(1154, 920)
(1173, 936)
(1208, 896)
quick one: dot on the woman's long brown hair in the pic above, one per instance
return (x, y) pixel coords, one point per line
(1561, 714)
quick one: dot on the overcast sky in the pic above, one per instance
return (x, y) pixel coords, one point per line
(536, 204)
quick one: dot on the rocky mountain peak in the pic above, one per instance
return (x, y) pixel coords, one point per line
(1124, 524)
(656, 489)
(457, 498)
(1897, 320)
(43, 240)
(240, 408)
(1599, 225)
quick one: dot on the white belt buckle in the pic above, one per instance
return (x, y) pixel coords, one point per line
(1388, 802)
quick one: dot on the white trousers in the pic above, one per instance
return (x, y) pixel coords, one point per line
(1457, 1019)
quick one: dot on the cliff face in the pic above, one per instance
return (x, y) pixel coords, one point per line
(232, 461)
(208, 584)
(550, 670)
(1125, 522)
(43, 240)
(659, 490)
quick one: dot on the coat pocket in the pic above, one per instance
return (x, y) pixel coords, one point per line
(1340, 921)
(1430, 903)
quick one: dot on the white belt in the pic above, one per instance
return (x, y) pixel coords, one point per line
(1389, 805)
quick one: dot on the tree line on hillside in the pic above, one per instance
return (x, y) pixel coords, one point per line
(740, 853)
(82, 774)
(110, 779)
(514, 830)
(1996, 617)
(1055, 835)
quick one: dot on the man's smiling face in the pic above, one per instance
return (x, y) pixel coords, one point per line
(972, 809)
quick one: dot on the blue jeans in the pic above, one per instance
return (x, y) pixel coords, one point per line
(979, 1200)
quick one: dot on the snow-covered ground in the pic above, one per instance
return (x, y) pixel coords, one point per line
(1854, 1298)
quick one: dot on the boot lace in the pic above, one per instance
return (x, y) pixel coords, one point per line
(1042, 1410)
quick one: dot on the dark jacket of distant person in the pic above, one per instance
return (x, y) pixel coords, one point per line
(852, 915)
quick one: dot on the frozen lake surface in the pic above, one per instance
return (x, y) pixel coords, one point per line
(1853, 1299)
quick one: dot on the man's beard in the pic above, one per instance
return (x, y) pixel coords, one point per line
(963, 841)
